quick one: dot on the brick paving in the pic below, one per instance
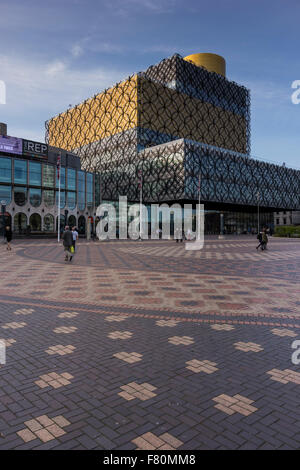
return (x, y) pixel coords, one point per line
(144, 346)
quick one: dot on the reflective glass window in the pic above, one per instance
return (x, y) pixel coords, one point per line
(81, 189)
(20, 195)
(89, 190)
(20, 222)
(35, 174)
(48, 175)
(20, 170)
(62, 175)
(49, 197)
(71, 200)
(49, 223)
(35, 197)
(62, 199)
(5, 170)
(71, 179)
(5, 194)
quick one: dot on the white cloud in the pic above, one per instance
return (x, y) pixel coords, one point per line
(76, 50)
(38, 90)
(56, 68)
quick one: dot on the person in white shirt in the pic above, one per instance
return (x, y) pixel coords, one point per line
(75, 236)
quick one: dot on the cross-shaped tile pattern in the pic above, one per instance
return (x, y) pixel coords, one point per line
(134, 390)
(65, 329)
(185, 340)
(150, 441)
(120, 335)
(14, 325)
(202, 366)
(247, 347)
(43, 428)
(60, 349)
(54, 380)
(235, 404)
(285, 376)
(129, 357)
(283, 332)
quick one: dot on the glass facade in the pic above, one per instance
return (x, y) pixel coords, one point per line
(62, 199)
(81, 189)
(71, 203)
(5, 170)
(20, 196)
(89, 190)
(35, 197)
(32, 186)
(48, 176)
(49, 197)
(5, 193)
(71, 175)
(35, 174)
(62, 176)
(20, 171)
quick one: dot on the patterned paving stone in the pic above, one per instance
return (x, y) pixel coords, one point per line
(60, 349)
(54, 380)
(283, 332)
(65, 329)
(8, 341)
(24, 311)
(220, 327)
(285, 376)
(150, 441)
(235, 404)
(202, 366)
(169, 323)
(129, 357)
(14, 325)
(120, 335)
(116, 318)
(43, 428)
(185, 340)
(230, 296)
(134, 390)
(247, 347)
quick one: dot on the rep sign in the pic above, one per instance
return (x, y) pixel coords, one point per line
(36, 149)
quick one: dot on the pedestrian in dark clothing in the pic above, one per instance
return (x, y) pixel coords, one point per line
(259, 238)
(67, 237)
(8, 236)
(264, 240)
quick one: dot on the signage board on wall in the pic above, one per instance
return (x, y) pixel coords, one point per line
(36, 149)
(10, 144)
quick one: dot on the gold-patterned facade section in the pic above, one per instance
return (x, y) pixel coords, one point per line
(104, 115)
(167, 111)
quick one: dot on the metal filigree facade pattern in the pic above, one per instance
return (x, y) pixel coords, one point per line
(173, 121)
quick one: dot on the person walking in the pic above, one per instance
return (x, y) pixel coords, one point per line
(264, 240)
(259, 238)
(67, 238)
(8, 236)
(75, 236)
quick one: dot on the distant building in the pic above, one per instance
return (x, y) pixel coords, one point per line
(29, 187)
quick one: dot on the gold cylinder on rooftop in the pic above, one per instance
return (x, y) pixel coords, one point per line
(212, 62)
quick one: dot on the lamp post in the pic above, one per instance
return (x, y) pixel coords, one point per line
(3, 209)
(258, 224)
(199, 200)
(140, 173)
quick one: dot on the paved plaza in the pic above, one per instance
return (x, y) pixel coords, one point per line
(144, 345)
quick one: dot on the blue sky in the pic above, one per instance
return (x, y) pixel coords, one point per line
(61, 52)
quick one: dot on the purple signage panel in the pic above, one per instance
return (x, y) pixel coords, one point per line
(10, 144)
